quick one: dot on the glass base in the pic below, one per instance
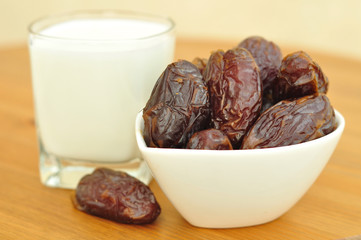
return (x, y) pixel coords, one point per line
(63, 172)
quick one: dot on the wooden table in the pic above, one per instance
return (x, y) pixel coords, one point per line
(331, 209)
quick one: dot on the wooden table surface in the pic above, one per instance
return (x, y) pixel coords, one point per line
(331, 209)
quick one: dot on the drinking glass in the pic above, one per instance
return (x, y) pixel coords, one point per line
(92, 72)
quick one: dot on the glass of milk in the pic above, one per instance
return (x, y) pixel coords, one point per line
(92, 72)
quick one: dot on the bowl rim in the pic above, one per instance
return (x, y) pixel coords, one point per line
(139, 125)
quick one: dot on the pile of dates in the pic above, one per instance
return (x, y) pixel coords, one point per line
(245, 98)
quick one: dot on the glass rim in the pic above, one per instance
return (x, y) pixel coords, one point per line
(103, 14)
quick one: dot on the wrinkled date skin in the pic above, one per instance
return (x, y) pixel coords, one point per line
(200, 63)
(235, 88)
(268, 57)
(177, 108)
(299, 76)
(116, 196)
(291, 122)
(210, 139)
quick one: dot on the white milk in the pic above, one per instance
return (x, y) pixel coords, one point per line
(87, 93)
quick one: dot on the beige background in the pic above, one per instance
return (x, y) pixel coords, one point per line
(311, 24)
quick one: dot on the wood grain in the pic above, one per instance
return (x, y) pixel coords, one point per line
(331, 209)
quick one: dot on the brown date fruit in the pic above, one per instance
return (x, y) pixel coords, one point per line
(177, 108)
(299, 76)
(235, 88)
(268, 57)
(291, 122)
(210, 139)
(116, 196)
(200, 63)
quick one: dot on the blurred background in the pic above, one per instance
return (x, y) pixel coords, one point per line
(333, 26)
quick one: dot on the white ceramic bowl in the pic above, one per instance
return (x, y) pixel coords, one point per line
(237, 188)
